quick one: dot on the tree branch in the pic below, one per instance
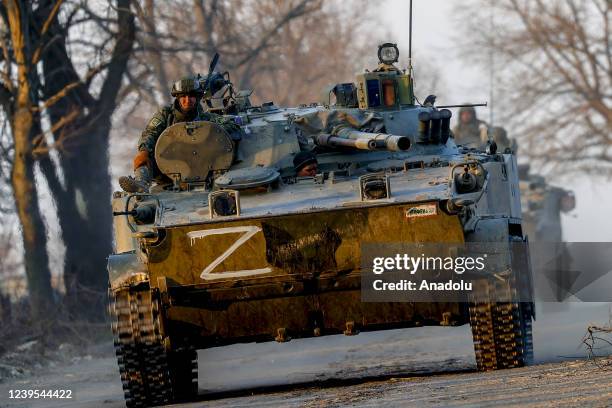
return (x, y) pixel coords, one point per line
(6, 100)
(52, 100)
(121, 53)
(295, 12)
(45, 28)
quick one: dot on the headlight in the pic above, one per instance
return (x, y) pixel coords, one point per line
(465, 182)
(374, 187)
(223, 203)
(468, 177)
(388, 53)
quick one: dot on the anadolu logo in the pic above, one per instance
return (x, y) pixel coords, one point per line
(424, 210)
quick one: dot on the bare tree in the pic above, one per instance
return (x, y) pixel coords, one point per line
(428, 80)
(324, 47)
(81, 108)
(553, 62)
(598, 343)
(19, 98)
(58, 91)
(287, 50)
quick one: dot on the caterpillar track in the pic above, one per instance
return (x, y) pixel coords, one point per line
(150, 374)
(501, 331)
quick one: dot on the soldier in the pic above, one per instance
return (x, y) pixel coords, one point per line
(305, 164)
(470, 129)
(186, 108)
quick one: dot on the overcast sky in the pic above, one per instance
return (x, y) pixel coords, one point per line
(434, 37)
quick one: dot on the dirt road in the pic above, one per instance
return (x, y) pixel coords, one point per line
(568, 384)
(422, 367)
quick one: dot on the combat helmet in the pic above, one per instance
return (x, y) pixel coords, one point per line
(187, 85)
(468, 109)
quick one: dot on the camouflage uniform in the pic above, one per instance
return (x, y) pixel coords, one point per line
(168, 116)
(145, 168)
(164, 118)
(469, 132)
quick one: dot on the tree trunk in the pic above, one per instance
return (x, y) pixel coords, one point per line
(25, 194)
(33, 230)
(87, 232)
(84, 209)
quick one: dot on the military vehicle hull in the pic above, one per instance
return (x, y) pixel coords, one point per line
(274, 278)
(296, 273)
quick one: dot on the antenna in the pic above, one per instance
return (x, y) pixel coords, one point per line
(410, 38)
(410, 73)
(491, 67)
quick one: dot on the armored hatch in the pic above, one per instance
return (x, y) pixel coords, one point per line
(242, 179)
(190, 151)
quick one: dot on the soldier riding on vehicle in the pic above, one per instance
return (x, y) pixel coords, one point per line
(469, 129)
(305, 164)
(186, 107)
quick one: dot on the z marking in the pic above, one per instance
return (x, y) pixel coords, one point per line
(249, 231)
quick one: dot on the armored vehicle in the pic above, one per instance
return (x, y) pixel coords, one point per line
(238, 248)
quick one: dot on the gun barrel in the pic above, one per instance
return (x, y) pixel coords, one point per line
(375, 140)
(465, 105)
(362, 144)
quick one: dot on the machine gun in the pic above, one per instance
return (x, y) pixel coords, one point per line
(216, 82)
(465, 105)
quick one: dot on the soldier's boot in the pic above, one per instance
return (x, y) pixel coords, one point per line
(140, 183)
